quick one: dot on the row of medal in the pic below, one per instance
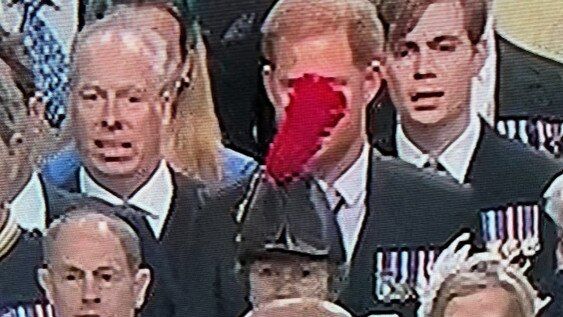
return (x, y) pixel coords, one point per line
(397, 270)
(543, 134)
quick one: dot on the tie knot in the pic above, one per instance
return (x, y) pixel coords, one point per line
(435, 165)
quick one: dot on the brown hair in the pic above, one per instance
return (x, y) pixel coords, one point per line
(483, 276)
(298, 19)
(401, 17)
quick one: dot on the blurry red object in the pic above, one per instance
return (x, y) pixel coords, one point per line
(314, 109)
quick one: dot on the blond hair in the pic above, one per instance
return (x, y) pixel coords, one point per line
(488, 269)
(192, 143)
(297, 20)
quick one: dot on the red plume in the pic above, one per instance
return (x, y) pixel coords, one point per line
(314, 109)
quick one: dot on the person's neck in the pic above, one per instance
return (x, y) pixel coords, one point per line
(335, 162)
(124, 186)
(435, 139)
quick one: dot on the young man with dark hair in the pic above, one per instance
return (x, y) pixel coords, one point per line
(434, 50)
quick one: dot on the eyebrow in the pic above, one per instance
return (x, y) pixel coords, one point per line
(442, 38)
(73, 269)
(120, 92)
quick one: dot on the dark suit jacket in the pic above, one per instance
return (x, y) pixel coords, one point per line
(405, 207)
(18, 271)
(502, 171)
(213, 258)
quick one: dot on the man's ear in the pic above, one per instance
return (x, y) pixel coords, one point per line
(46, 282)
(166, 108)
(372, 80)
(36, 107)
(479, 56)
(142, 282)
(269, 82)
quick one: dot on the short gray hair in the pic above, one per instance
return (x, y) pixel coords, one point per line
(123, 21)
(93, 211)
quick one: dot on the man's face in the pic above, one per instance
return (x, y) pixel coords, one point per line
(430, 72)
(490, 302)
(117, 110)
(89, 275)
(288, 278)
(328, 56)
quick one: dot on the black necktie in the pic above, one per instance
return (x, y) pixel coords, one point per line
(338, 205)
(137, 218)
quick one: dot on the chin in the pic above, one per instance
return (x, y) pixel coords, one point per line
(128, 168)
(427, 117)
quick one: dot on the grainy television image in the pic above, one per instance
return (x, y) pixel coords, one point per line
(281, 158)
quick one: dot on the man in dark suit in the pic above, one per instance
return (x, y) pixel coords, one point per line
(92, 263)
(429, 71)
(376, 199)
(119, 116)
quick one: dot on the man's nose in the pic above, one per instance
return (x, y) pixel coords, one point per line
(110, 117)
(90, 292)
(286, 286)
(424, 68)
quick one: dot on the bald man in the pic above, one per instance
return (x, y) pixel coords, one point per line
(93, 266)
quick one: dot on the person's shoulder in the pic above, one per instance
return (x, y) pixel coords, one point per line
(61, 168)
(236, 167)
(512, 152)
(389, 170)
(17, 270)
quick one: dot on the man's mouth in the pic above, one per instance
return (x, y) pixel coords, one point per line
(112, 144)
(112, 151)
(423, 95)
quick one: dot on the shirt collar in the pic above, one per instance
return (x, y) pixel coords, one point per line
(155, 196)
(457, 156)
(352, 184)
(28, 208)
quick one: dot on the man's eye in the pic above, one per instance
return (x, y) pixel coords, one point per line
(446, 48)
(90, 97)
(266, 272)
(107, 277)
(70, 277)
(134, 99)
(305, 273)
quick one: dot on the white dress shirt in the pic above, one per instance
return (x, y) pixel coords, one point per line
(455, 159)
(155, 196)
(350, 186)
(28, 209)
